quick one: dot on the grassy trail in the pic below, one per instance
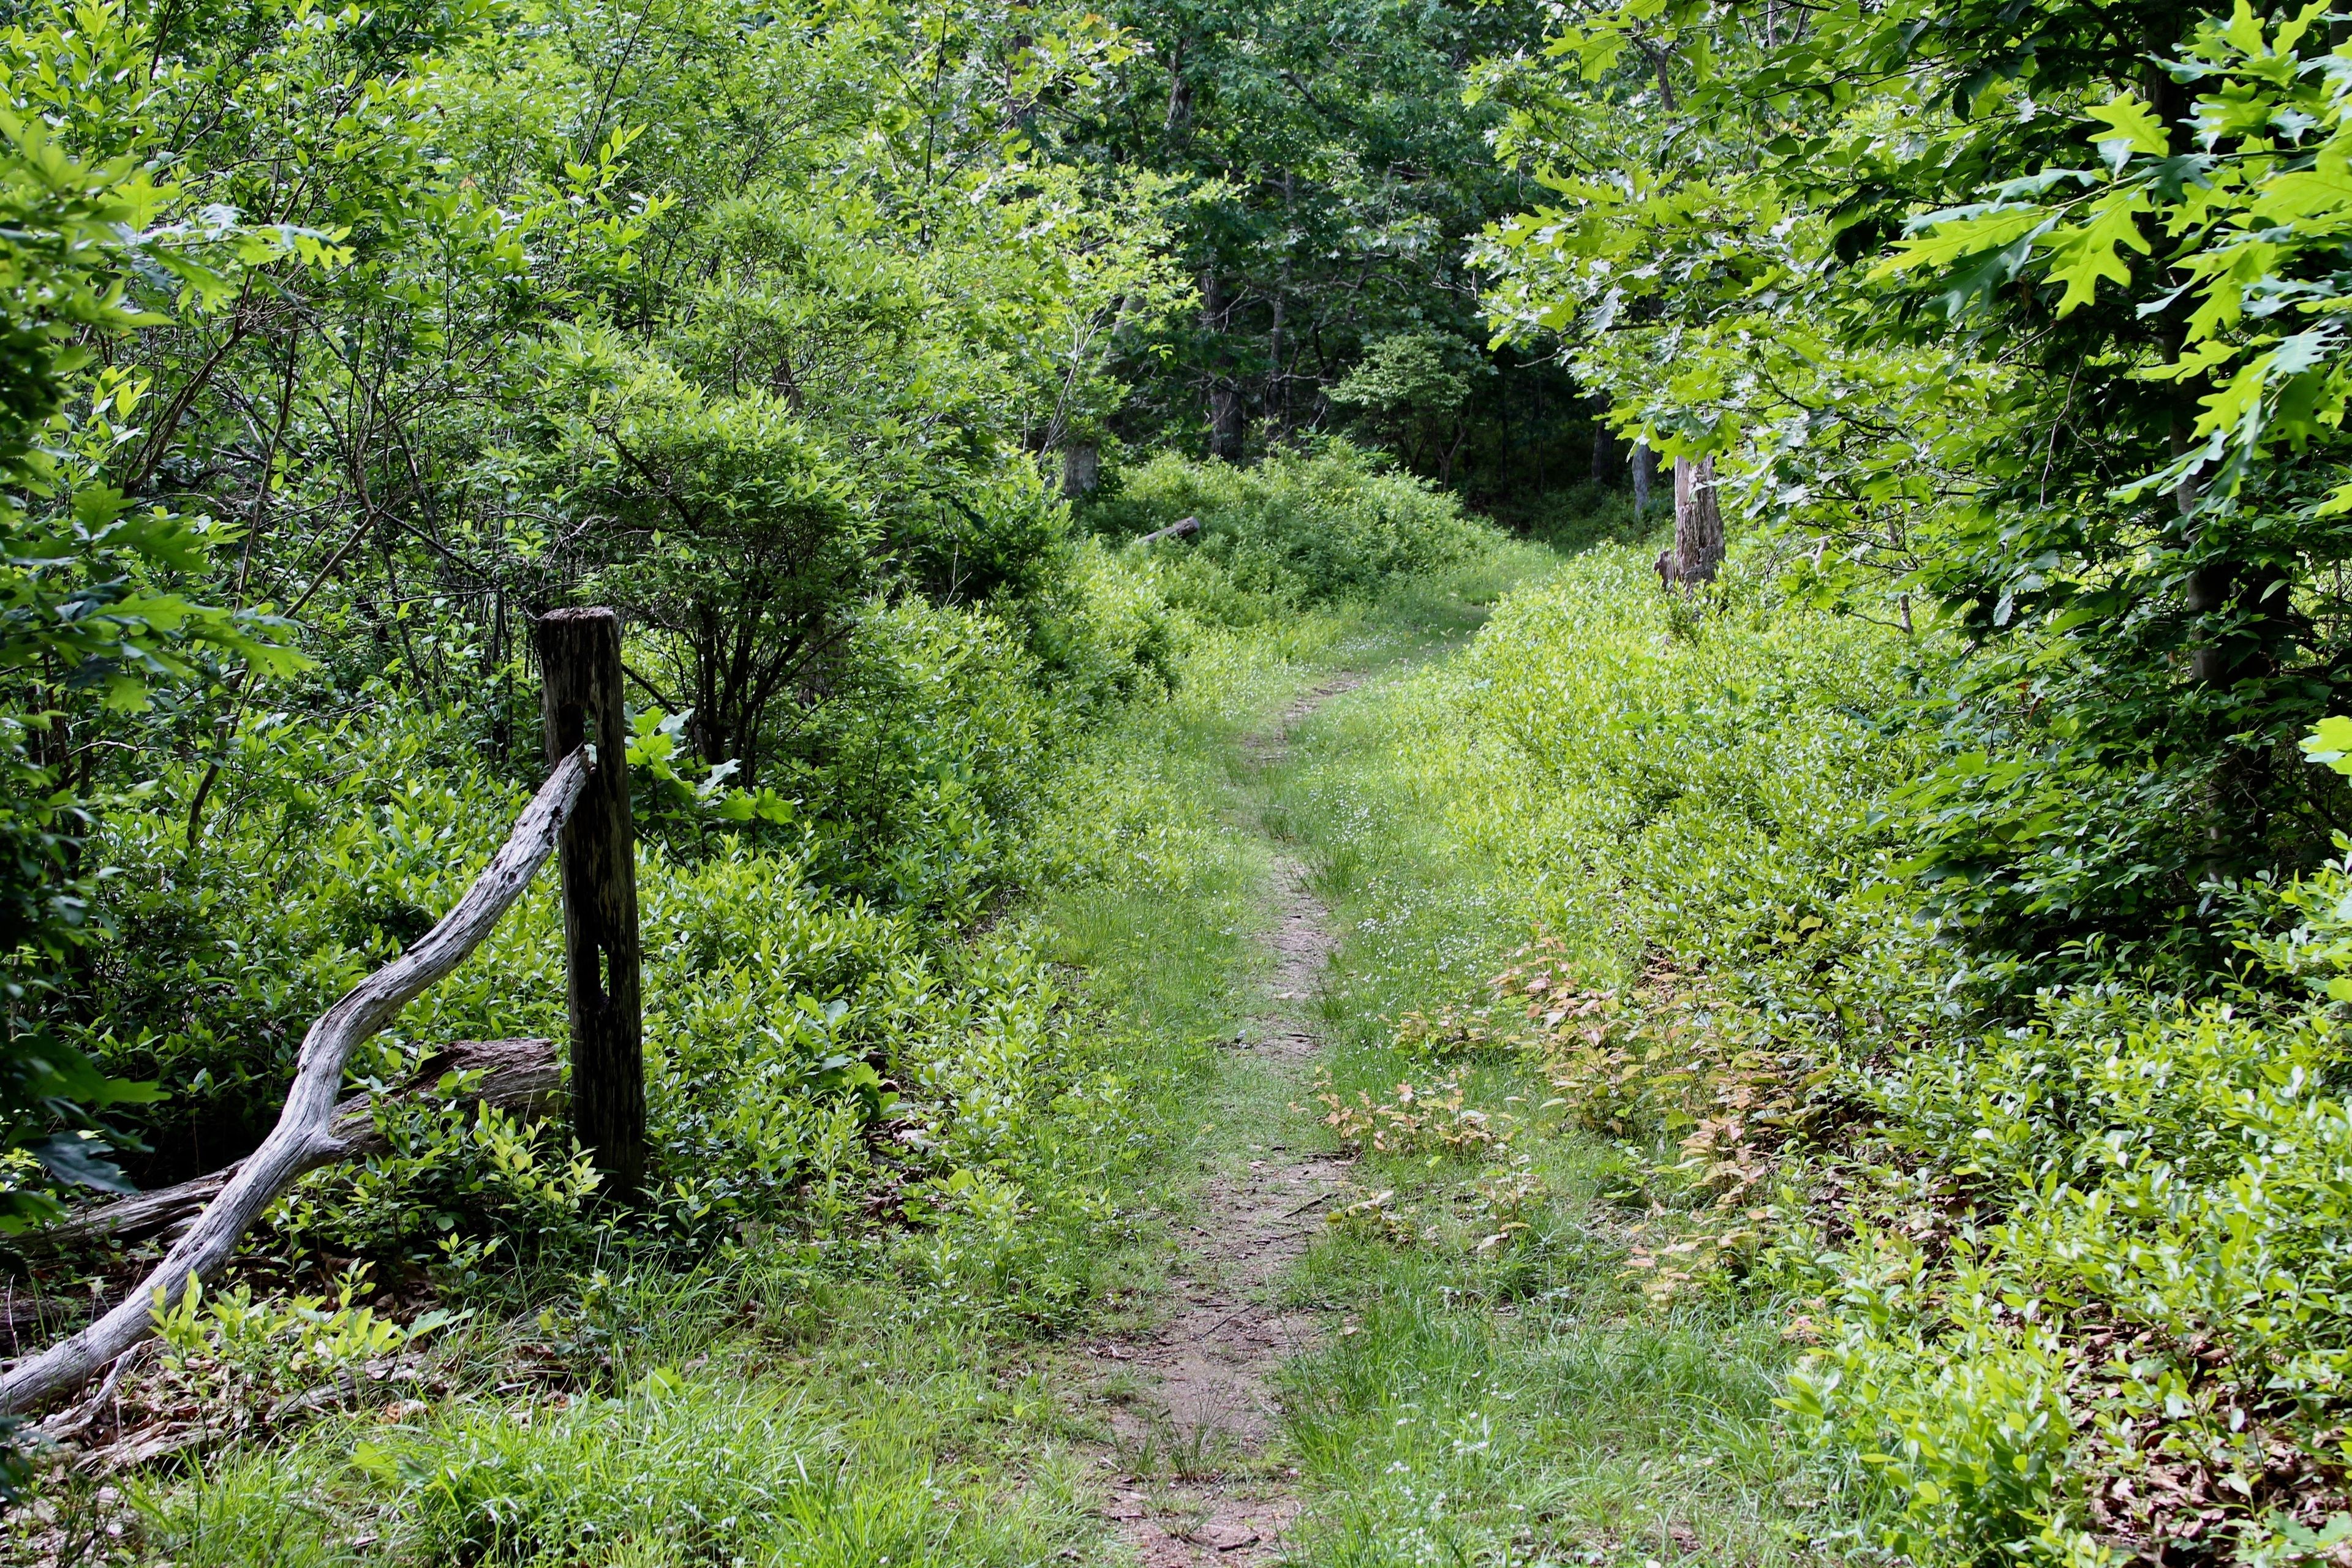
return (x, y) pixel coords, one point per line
(1495, 1389)
(1208, 1417)
(1398, 1388)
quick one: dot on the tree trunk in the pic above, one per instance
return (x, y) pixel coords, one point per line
(1645, 469)
(1698, 522)
(1604, 454)
(579, 655)
(1081, 469)
(1228, 414)
(1178, 122)
(1228, 423)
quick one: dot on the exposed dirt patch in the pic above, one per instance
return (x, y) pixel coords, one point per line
(1198, 1488)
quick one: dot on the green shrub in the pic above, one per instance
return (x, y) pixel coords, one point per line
(1298, 529)
(1582, 516)
(2073, 1277)
(920, 761)
(1700, 788)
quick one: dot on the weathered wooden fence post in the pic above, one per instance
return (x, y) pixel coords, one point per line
(579, 656)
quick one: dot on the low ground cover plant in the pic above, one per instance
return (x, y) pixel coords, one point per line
(2039, 1276)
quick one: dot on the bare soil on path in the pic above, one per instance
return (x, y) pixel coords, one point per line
(1207, 1413)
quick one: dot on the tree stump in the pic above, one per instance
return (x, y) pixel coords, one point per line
(1698, 522)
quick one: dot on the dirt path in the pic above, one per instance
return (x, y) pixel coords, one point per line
(1200, 1489)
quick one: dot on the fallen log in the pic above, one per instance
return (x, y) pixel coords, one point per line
(1179, 529)
(519, 1076)
(307, 1124)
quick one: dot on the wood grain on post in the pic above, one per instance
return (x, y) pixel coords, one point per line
(579, 658)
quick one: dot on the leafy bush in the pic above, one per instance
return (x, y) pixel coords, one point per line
(2106, 1291)
(1701, 785)
(2071, 1277)
(1298, 528)
(1582, 516)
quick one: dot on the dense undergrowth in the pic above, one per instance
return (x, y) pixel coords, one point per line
(1712, 1205)
(914, 1093)
(1739, 1218)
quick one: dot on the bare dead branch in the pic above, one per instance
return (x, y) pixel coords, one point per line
(305, 1136)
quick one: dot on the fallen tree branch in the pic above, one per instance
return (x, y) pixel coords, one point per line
(1177, 530)
(307, 1124)
(516, 1074)
(73, 1420)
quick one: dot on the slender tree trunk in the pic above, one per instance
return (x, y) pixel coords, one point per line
(1228, 415)
(1278, 345)
(1276, 411)
(1178, 122)
(1646, 469)
(1604, 454)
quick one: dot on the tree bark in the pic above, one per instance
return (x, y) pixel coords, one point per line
(1228, 414)
(305, 1130)
(1081, 469)
(1179, 529)
(579, 658)
(1178, 122)
(1698, 522)
(1228, 423)
(1646, 469)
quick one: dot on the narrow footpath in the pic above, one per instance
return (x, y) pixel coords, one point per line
(1201, 1487)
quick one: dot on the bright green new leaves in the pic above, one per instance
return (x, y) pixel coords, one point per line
(1979, 249)
(2330, 744)
(2132, 127)
(83, 601)
(93, 613)
(1965, 232)
(2254, 221)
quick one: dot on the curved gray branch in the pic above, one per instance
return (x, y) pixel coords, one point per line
(305, 1136)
